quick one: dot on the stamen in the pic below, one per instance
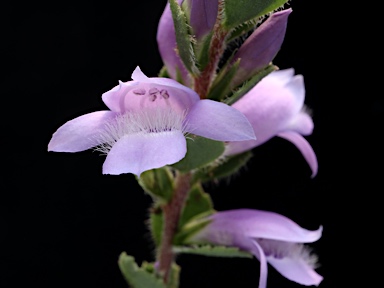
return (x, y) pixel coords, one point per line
(152, 97)
(139, 91)
(153, 91)
(164, 93)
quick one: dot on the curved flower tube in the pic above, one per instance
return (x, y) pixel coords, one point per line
(275, 107)
(145, 126)
(270, 237)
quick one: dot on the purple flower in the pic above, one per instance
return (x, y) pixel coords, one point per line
(146, 125)
(261, 47)
(203, 16)
(275, 107)
(270, 237)
(166, 41)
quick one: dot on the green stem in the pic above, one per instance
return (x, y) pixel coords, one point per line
(172, 212)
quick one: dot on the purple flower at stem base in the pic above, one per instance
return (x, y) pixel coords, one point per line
(270, 237)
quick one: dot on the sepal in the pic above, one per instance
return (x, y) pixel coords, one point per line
(249, 84)
(200, 152)
(212, 251)
(158, 183)
(156, 223)
(198, 202)
(139, 277)
(202, 49)
(236, 13)
(230, 166)
(183, 37)
(221, 86)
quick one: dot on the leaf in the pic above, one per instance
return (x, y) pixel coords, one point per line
(158, 183)
(200, 152)
(138, 277)
(163, 73)
(156, 224)
(183, 37)
(248, 85)
(213, 251)
(237, 12)
(174, 276)
(241, 31)
(192, 227)
(203, 51)
(231, 166)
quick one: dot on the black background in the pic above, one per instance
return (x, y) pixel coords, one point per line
(64, 224)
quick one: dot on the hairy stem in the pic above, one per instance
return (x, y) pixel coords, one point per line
(172, 212)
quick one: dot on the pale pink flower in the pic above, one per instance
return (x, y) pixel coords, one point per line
(275, 107)
(146, 125)
(270, 237)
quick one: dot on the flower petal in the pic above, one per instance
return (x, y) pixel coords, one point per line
(302, 123)
(218, 121)
(259, 254)
(136, 153)
(233, 148)
(273, 106)
(304, 147)
(166, 40)
(113, 98)
(203, 16)
(80, 133)
(261, 224)
(280, 77)
(296, 269)
(139, 76)
(250, 245)
(145, 92)
(262, 46)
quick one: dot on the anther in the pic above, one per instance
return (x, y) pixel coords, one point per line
(139, 91)
(152, 97)
(153, 91)
(164, 93)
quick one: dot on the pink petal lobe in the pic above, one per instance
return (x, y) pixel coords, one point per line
(138, 75)
(261, 224)
(114, 97)
(296, 269)
(275, 105)
(259, 254)
(218, 121)
(304, 147)
(302, 123)
(80, 133)
(280, 77)
(297, 89)
(136, 153)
